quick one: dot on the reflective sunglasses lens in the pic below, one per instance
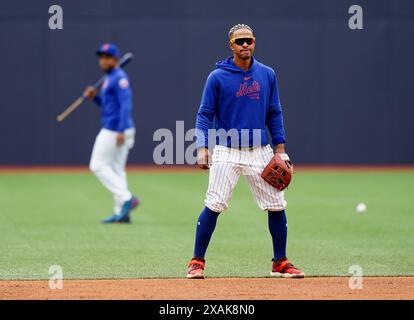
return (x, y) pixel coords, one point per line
(241, 41)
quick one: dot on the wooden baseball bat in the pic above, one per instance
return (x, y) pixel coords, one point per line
(122, 63)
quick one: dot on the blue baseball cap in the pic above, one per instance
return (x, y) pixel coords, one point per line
(109, 49)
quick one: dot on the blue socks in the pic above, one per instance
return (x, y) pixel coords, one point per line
(207, 223)
(205, 227)
(278, 230)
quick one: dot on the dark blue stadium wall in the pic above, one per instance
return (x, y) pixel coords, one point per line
(347, 95)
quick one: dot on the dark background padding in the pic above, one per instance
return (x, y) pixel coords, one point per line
(347, 95)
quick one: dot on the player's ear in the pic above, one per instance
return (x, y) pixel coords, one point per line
(231, 46)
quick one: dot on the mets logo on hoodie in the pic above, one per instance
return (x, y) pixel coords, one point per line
(251, 90)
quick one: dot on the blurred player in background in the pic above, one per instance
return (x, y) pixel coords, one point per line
(116, 138)
(241, 94)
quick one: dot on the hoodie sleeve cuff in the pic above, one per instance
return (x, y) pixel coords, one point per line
(278, 140)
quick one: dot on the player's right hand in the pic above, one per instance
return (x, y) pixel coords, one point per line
(202, 158)
(90, 92)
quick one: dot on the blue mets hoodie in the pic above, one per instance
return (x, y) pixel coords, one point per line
(238, 99)
(115, 100)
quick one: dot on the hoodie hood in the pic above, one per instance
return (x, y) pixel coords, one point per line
(228, 64)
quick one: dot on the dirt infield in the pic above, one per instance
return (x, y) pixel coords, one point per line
(221, 289)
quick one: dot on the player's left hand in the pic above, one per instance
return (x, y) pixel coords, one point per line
(120, 139)
(278, 172)
(288, 163)
(280, 148)
(290, 166)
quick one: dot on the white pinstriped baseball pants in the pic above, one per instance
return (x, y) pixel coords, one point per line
(228, 164)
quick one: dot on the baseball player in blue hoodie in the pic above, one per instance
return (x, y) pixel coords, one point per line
(116, 137)
(240, 101)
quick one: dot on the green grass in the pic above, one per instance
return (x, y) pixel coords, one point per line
(53, 219)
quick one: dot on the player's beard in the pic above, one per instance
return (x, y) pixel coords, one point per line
(242, 55)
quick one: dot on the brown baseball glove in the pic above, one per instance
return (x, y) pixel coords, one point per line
(278, 172)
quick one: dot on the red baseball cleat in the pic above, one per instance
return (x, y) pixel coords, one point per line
(284, 269)
(196, 268)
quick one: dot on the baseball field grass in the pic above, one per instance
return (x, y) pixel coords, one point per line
(52, 218)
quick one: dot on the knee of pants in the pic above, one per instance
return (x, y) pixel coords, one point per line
(215, 204)
(216, 207)
(96, 167)
(274, 207)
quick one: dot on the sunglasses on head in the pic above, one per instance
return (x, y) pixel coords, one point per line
(241, 41)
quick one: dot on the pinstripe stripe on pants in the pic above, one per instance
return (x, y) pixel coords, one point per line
(228, 164)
